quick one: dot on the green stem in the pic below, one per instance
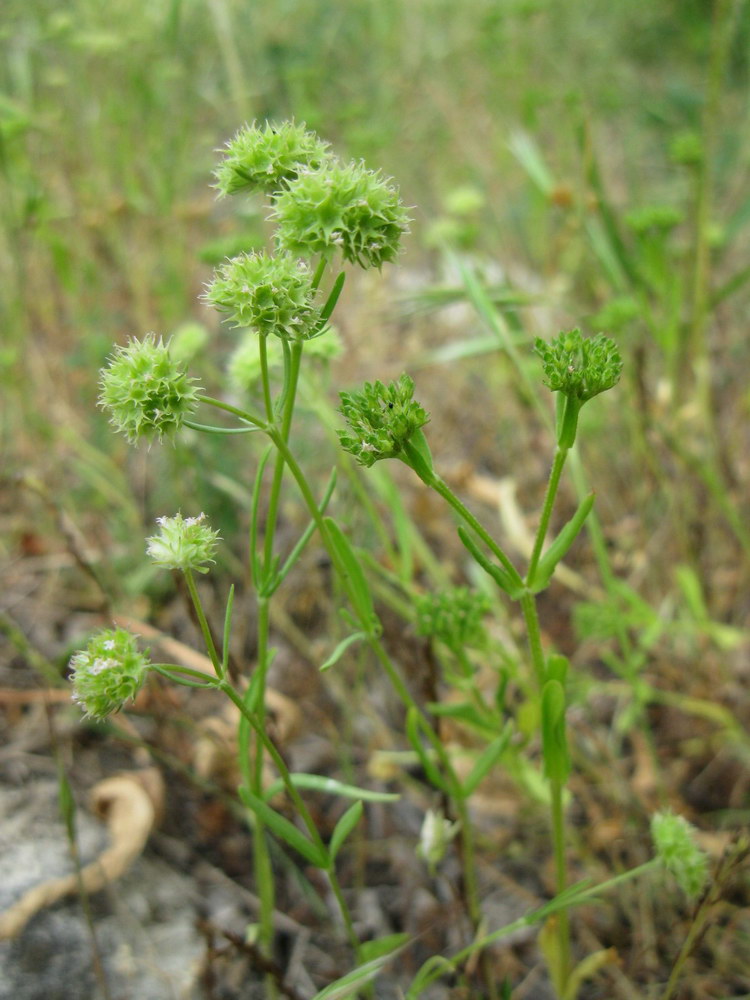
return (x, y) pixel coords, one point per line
(549, 501)
(561, 879)
(303, 812)
(534, 635)
(206, 631)
(441, 487)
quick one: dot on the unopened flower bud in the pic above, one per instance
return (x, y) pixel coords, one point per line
(434, 837)
(579, 367)
(454, 616)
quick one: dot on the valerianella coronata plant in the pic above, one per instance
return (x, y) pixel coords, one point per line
(107, 673)
(147, 393)
(454, 616)
(265, 157)
(674, 840)
(183, 543)
(381, 420)
(267, 295)
(342, 207)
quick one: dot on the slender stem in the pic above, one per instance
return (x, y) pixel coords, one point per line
(207, 637)
(280, 764)
(549, 501)
(441, 487)
(534, 635)
(263, 354)
(251, 418)
(561, 878)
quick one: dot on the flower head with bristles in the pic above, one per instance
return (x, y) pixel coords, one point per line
(107, 673)
(577, 366)
(147, 393)
(183, 543)
(342, 207)
(674, 840)
(381, 419)
(266, 157)
(267, 295)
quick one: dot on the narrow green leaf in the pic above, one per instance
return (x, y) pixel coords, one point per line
(499, 575)
(413, 735)
(343, 828)
(559, 548)
(341, 649)
(227, 632)
(351, 984)
(327, 310)
(417, 456)
(329, 786)
(66, 801)
(370, 950)
(486, 761)
(466, 712)
(353, 577)
(285, 830)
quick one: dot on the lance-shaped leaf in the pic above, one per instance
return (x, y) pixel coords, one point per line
(498, 574)
(486, 761)
(343, 828)
(286, 831)
(558, 549)
(353, 577)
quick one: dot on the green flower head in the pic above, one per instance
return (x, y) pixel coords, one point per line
(147, 393)
(183, 543)
(264, 158)
(454, 616)
(381, 419)
(578, 367)
(267, 295)
(341, 207)
(107, 673)
(674, 840)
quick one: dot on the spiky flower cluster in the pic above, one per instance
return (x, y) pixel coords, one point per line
(674, 840)
(183, 543)
(264, 158)
(341, 207)
(267, 295)
(147, 393)
(381, 419)
(579, 367)
(107, 673)
(454, 616)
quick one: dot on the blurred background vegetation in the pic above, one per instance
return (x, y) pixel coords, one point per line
(570, 164)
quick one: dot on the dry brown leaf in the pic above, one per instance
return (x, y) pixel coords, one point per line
(131, 805)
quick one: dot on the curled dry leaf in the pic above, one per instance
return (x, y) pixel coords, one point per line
(131, 805)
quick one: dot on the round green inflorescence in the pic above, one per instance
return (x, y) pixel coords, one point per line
(381, 419)
(107, 673)
(147, 393)
(579, 367)
(674, 840)
(341, 207)
(267, 295)
(264, 158)
(454, 616)
(183, 543)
